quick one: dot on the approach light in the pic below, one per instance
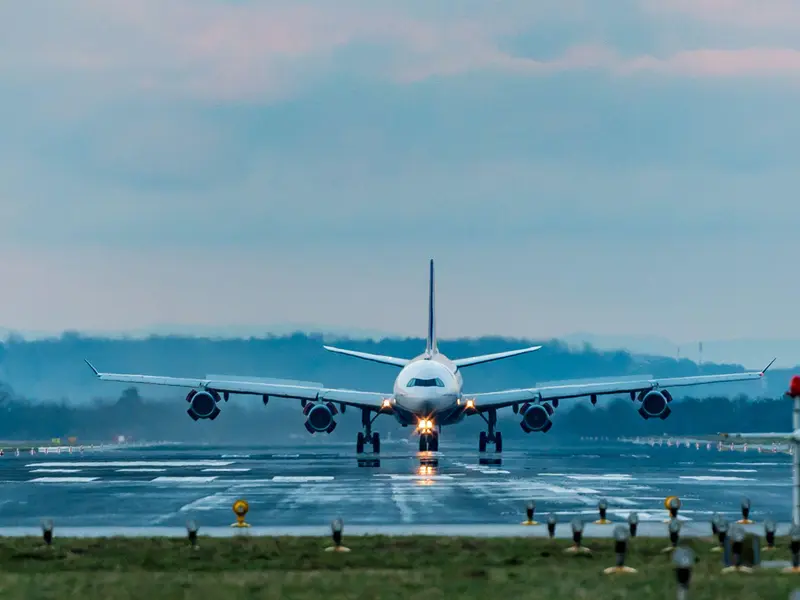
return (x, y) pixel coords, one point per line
(191, 531)
(745, 520)
(633, 523)
(529, 511)
(683, 559)
(602, 508)
(47, 531)
(551, 525)
(769, 533)
(577, 536)
(621, 535)
(337, 527)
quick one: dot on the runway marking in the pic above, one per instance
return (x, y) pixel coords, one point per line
(141, 470)
(63, 479)
(734, 470)
(55, 470)
(182, 479)
(228, 470)
(609, 477)
(715, 478)
(301, 479)
(136, 463)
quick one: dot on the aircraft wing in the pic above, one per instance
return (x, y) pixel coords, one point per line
(489, 400)
(242, 385)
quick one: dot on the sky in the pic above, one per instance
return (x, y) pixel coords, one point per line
(625, 168)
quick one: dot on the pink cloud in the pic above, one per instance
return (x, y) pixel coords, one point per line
(719, 63)
(740, 13)
(267, 50)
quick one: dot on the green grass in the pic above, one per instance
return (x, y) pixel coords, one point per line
(377, 567)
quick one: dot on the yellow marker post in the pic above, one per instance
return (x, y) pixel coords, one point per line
(673, 505)
(529, 510)
(240, 508)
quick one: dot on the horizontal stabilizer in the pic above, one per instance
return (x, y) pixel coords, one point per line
(485, 358)
(378, 358)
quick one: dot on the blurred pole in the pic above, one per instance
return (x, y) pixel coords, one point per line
(795, 446)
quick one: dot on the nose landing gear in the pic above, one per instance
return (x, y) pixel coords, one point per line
(429, 442)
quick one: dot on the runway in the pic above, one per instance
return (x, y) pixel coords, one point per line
(310, 486)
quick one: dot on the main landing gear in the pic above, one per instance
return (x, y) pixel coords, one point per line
(491, 436)
(368, 436)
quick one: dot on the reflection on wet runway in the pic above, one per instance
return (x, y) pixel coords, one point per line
(311, 485)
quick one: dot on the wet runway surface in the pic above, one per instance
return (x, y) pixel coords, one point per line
(309, 486)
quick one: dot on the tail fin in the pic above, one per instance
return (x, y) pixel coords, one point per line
(430, 344)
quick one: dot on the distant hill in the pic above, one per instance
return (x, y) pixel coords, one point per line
(53, 369)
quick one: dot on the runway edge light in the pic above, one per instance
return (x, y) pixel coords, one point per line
(602, 509)
(745, 520)
(722, 535)
(621, 535)
(191, 532)
(47, 531)
(683, 559)
(240, 508)
(794, 546)
(577, 536)
(674, 529)
(737, 546)
(337, 527)
(769, 533)
(530, 509)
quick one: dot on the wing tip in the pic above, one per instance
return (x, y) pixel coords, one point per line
(91, 366)
(764, 370)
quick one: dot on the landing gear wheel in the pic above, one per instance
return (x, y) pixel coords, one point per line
(360, 443)
(423, 443)
(376, 443)
(498, 442)
(482, 442)
(434, 444)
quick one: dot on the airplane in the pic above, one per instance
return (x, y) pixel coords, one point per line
(427, 394)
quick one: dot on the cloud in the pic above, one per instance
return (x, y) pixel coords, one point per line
(749, 14)
(270, 51)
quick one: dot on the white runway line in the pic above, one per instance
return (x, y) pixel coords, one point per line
(226, 470)
(166, 479)
(136, 463)
(715, 478)
(55, 470)
(63, 479)
(140, 470)
(301, 479)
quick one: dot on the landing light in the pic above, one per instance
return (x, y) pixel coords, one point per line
(387, 403)
(470, 403)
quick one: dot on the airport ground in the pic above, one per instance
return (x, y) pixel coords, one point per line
(290, 489)
(376, 568)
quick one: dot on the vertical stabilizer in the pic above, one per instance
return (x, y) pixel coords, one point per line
(430, 345)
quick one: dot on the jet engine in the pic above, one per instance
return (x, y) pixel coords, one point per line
(203, 405)
(319, 417)
(536, 417)
(655, 404)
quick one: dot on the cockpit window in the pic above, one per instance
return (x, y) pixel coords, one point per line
(425, 382)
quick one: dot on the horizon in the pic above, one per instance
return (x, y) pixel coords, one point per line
(625, 170)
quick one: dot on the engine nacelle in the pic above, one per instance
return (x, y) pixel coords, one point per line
(203, 405)
(319, 417)
(536, 417)
(655, 404)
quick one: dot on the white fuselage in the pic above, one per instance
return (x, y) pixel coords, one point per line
(428, 386)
